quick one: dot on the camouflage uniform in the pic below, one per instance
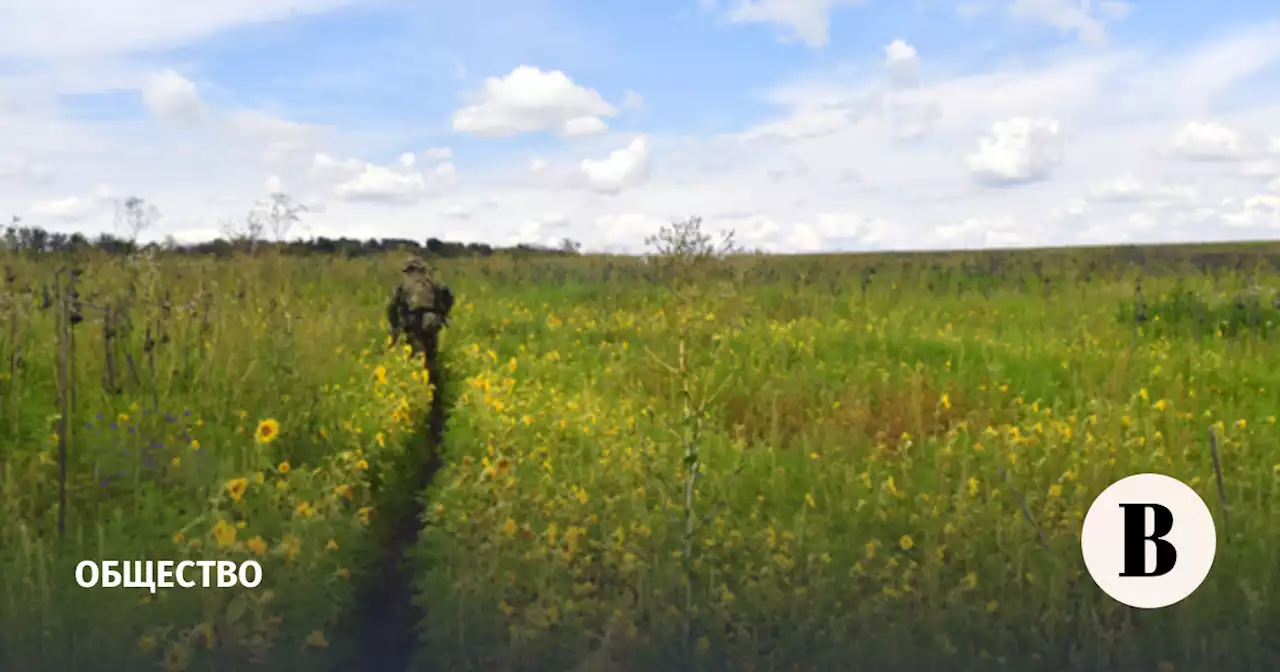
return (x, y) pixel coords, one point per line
(419, 308)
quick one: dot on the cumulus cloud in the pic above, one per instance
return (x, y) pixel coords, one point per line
(361, 182)
(382, 185)
(1018, 150)
(623, 168)
(529, 99)
(808, 21)
(172, 97)
(1207, 141)
(852, 158)
(902, 63)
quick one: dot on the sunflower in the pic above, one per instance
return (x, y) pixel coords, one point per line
(236, 488)
(224, 533)
(267, 431)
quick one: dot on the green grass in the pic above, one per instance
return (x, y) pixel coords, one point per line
(864, 454)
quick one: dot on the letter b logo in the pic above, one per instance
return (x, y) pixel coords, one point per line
(1148, 541)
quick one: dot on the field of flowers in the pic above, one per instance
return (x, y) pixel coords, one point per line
(254, 427)
(893, 473)
(757, 464)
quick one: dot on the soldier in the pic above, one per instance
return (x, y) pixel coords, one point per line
(419, 308)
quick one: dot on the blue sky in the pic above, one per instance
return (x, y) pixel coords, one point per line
(802, 124)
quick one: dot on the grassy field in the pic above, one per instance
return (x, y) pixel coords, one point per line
(891, 468)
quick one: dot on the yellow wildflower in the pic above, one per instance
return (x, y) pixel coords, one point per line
(268, 430)
(224, 534)
(257, 545)
(236, 488)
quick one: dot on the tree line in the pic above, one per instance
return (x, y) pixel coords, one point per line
(276, 215)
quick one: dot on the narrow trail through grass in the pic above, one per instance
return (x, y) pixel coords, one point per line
(384, 618)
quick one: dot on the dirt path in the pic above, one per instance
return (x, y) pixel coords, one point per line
(384, 622)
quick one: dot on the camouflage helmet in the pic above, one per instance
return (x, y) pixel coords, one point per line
(413, 263)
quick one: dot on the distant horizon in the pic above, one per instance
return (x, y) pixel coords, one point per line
(146, 241)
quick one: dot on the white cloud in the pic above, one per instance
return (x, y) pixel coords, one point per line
(172, 97)
(808, 21)
(1207, 141)
(843, 176)
(325, 166)
(528, 100)
(548, 229)
(382, 185)
(356, 181)
(1086, 19)
(64, 210)
(902, 62)
(1255, 212)
(255, 125)
(623, 168)
(273, 185)
(1018, 150)
(408, 159)
(582, 126)
(73, 28)
(911, 116)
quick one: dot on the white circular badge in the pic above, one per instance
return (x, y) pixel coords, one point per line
(1149, 541)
